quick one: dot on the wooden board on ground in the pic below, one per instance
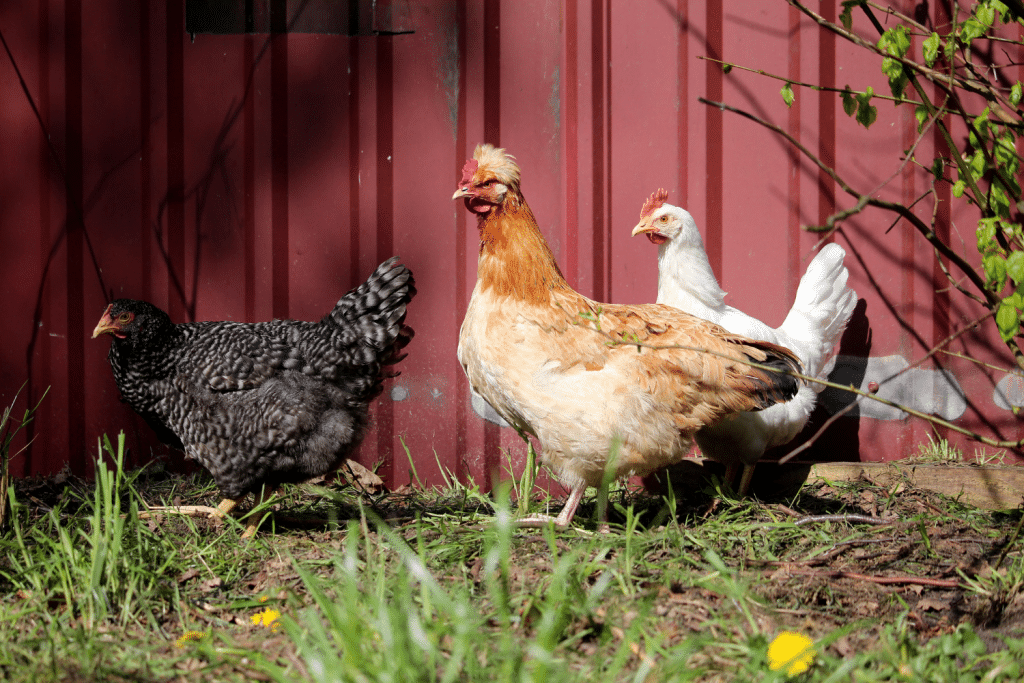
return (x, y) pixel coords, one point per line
(990, 487)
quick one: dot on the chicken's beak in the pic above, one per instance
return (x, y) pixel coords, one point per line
(461, 192)
(106, 325)
(642, 227)
(647, 228)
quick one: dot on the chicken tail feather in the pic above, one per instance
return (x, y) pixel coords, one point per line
(773, 382)
(822, 308)
(374, 312)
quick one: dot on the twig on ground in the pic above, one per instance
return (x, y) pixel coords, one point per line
(864, 519)
(883, 580)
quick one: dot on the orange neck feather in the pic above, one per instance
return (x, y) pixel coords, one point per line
(514, 257)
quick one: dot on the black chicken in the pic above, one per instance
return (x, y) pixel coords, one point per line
(261, 404)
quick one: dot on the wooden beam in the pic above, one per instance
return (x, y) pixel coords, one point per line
(989, 487)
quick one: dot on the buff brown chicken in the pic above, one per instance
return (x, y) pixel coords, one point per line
(580, 376)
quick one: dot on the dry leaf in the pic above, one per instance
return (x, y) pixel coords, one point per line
(844, 648)
(933, 604)
(365, 478)
(210, 584)
(188, 574)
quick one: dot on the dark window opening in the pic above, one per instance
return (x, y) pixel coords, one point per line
(335, 17)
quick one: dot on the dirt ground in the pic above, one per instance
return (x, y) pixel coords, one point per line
(895, 552)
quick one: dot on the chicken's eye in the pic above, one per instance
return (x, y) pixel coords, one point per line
(663, 219)
(124, 318)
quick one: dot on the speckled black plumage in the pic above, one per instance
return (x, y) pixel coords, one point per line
(263, 403)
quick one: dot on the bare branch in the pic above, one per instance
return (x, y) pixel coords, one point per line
(925, 230)
(613, 341)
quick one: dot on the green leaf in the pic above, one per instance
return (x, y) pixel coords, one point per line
(921, 114)
(1015, 267)
(958, 188)
(866, 115)
(949, 47)
(1013, 231)
(1004, 11)
(969, 30)
(995, 271)
(1015, 93)
(897, 75)
(982, 123)
(1016, 299)
(899, 84)
(866, 112)
(1015, 189)
(986, 234)
(1008, 321)
(846, 16)
(892, 68)
(787, 94)
(1005, 152)
(931, 48)
(977, 164)
(998, 202)
(849, 101)
(985, 14)
(895, 41)
(938, 166)
(978, 133)
(726, 68)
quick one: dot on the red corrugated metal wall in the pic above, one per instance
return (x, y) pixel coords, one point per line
(247, 177)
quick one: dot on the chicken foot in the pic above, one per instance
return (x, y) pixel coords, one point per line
(254, 523)
(222, 510)
(564, 517)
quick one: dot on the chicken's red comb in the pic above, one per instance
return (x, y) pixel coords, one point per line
(654, 203)
(468, 171)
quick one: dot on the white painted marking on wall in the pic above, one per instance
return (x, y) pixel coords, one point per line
(484, 410)
(1009, 392)
(936, 392)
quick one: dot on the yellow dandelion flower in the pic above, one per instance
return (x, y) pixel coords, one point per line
(791, 652)
(267, 618)
(190, 637)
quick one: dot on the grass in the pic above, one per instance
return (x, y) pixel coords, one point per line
(9, 428)
(441, 586)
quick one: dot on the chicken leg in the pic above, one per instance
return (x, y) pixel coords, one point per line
(564, 517)
(747, 476)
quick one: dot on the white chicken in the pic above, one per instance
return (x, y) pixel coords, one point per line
(811, 329)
